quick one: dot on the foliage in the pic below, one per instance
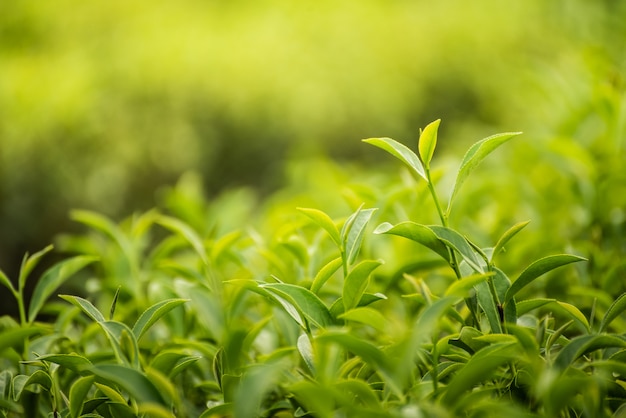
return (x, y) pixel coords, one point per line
(384, 307)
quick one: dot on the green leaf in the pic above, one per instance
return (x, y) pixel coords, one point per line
(78, 394)
(526, 306)
(460, 244)
(325, 273)
(480, 367)
(153, 314)
(86, 306)
(6, 282)
(305, 348)
(616, 309)
(485, 299)
(16, 337)
(53, 278)
(353, 231)
(356, 282)
(428, 142)
(73, 361)
(323, 220)
(131, 380)
(421, 234)
(539, 268)
(187, 232)
(360, 393)
(106, 226)
(504, 239)
(463, 286)
(305, 301)
(574, 313)
(368, 316)
(584, 344)
(474, 156)
(29, 263)
(401, 152)
(21, 382)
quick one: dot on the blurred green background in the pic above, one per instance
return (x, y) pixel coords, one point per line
(104, 103)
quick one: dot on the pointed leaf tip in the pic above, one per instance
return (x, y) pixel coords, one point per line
(428, 142)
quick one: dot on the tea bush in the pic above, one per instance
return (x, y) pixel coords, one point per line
(351, 293)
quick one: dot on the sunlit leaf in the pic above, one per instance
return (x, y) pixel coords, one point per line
(463, 286)
(353, 232)
(475, 155)
(401, 152)
(305, 301)
(323, 220)
(187, 232)
(615, 310)
(368, 316)
(29, 263)
(428, 142)
(356, 282)
(506, 237)
(325, 273)
(85, 306)
(539, 268)
(78, 394)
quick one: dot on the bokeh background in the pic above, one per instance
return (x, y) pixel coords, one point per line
(105, 103)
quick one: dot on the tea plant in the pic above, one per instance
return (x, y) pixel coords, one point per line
(213, 310)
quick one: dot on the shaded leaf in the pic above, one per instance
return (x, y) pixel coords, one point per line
(616, 309)
(356, 282)
(428, 142)
(72, 361)
(584, 344)
(475, 155)
(53, 278)
(131, 380)
(29, 263)
(539, 268)
(323, 220)
(12, 338)
(487, 303)
(6, 282)
(78, 394)
(401, 152)
(153, 314)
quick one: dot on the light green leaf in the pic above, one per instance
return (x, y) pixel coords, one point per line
(153, 314)
(305, 301)
(401, 152)
(123, 342)
(356, 282)
(106, 226)
(353, 231)
(133, 381)
(367, 316)
(86, 306)
(187, 232)
(460, 244)
(325, 273)
(6, 282)
(463, 286)
(428, 142)
(584, 344)
(539, 268)
(305, 348)
(574, 313)
(504, 239)
(38, 377)
(474, 156)
(29, 263)
(78, 394)
(323, 220)
(616, 309)
(52, 279)
(421, 234)
(362, 393)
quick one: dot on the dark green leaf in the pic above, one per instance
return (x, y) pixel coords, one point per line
(537, 269)
(356, 282)
(401, 152)
(460, 244)
(487, 303)
(6, 282)
(78, 394)
(584, 344)
(53, 278)
(85, 306)
(616, 309)
(73, 361)
(131, 380)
